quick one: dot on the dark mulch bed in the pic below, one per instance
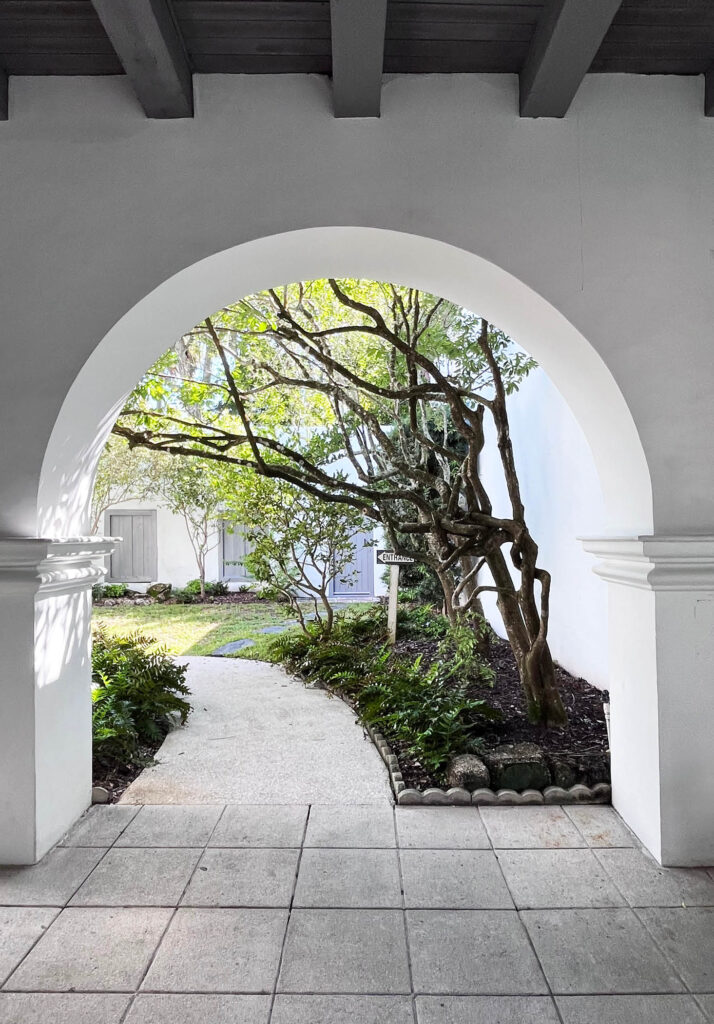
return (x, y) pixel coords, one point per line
(118, 778)
(578, 754)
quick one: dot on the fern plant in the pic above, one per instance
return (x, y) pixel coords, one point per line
(137, 689)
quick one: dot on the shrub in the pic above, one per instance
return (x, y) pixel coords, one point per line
(214, 588)
(181, 596)
(103, 590)
(136, 691)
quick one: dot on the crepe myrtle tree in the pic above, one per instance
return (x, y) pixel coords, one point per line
(196, 492)
(299, 543)
(296, 382)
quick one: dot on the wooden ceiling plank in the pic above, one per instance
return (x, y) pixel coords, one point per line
(358, 28)
(147, 41)
(566, 39)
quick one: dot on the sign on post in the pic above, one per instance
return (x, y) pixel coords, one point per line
(393, 560)
(385, 557)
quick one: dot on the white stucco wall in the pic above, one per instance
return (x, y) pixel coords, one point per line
(563, 501)
(175, 558)
(588, 239)
(176, 561)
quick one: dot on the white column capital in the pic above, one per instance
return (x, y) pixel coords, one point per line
(53, 565)
(683, 563)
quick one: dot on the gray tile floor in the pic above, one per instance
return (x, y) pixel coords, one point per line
(354, 915)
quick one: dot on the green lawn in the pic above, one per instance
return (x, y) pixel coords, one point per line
(199, 629)
(191, 628)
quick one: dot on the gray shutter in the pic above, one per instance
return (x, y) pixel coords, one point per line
(135, 557)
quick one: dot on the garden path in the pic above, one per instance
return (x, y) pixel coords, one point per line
(258, 736)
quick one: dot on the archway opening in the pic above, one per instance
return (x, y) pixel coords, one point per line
(151, 326)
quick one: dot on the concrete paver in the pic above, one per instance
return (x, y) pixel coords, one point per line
(454, 879)
(100, 826)
(260, 825)
(20, 928)
(348, 878)
(644, 883)
(351, 825)
(243, 878)
(456, 828)
(607, 951)
(92, 949)
(345, 951)
(149, 877)
(169, 1008)
(486, 1010)
(558, 878)
(639, 1009)
(171, 826)
(687, 938)
(530, 828)
(219, 950)
(342, 1010)
(61, 1008)
(472, 952)
(51, 882)
(600, 825)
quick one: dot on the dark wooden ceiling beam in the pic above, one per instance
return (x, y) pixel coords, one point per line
(148, 43)
(709, 92)
(358, 28)
(568, 36)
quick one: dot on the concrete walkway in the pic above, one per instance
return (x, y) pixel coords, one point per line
(354, 915)
(258, 736)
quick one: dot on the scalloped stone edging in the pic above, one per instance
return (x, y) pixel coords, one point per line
(599, 794)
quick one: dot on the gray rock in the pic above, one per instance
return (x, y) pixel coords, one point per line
(466, 771)
(518, 766)
(275, 629)
(159, 590)
(562, 773)
(100, 795)
(236, 645)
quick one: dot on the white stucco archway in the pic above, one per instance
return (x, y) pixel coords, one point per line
(648, 779)
(154, 324)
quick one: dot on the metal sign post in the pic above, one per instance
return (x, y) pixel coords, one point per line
(393, 560)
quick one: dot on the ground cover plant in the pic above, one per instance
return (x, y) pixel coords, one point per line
(138, 694)
(443, 690)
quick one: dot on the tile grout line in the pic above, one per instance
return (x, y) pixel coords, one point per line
(274, 993)
(172, 915)
(542, 969)
(660, 949)
(405, 925)
(60, 908)
(42, 934)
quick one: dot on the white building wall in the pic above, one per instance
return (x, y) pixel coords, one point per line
(563, 501)
(176, 561)
(175, 558)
